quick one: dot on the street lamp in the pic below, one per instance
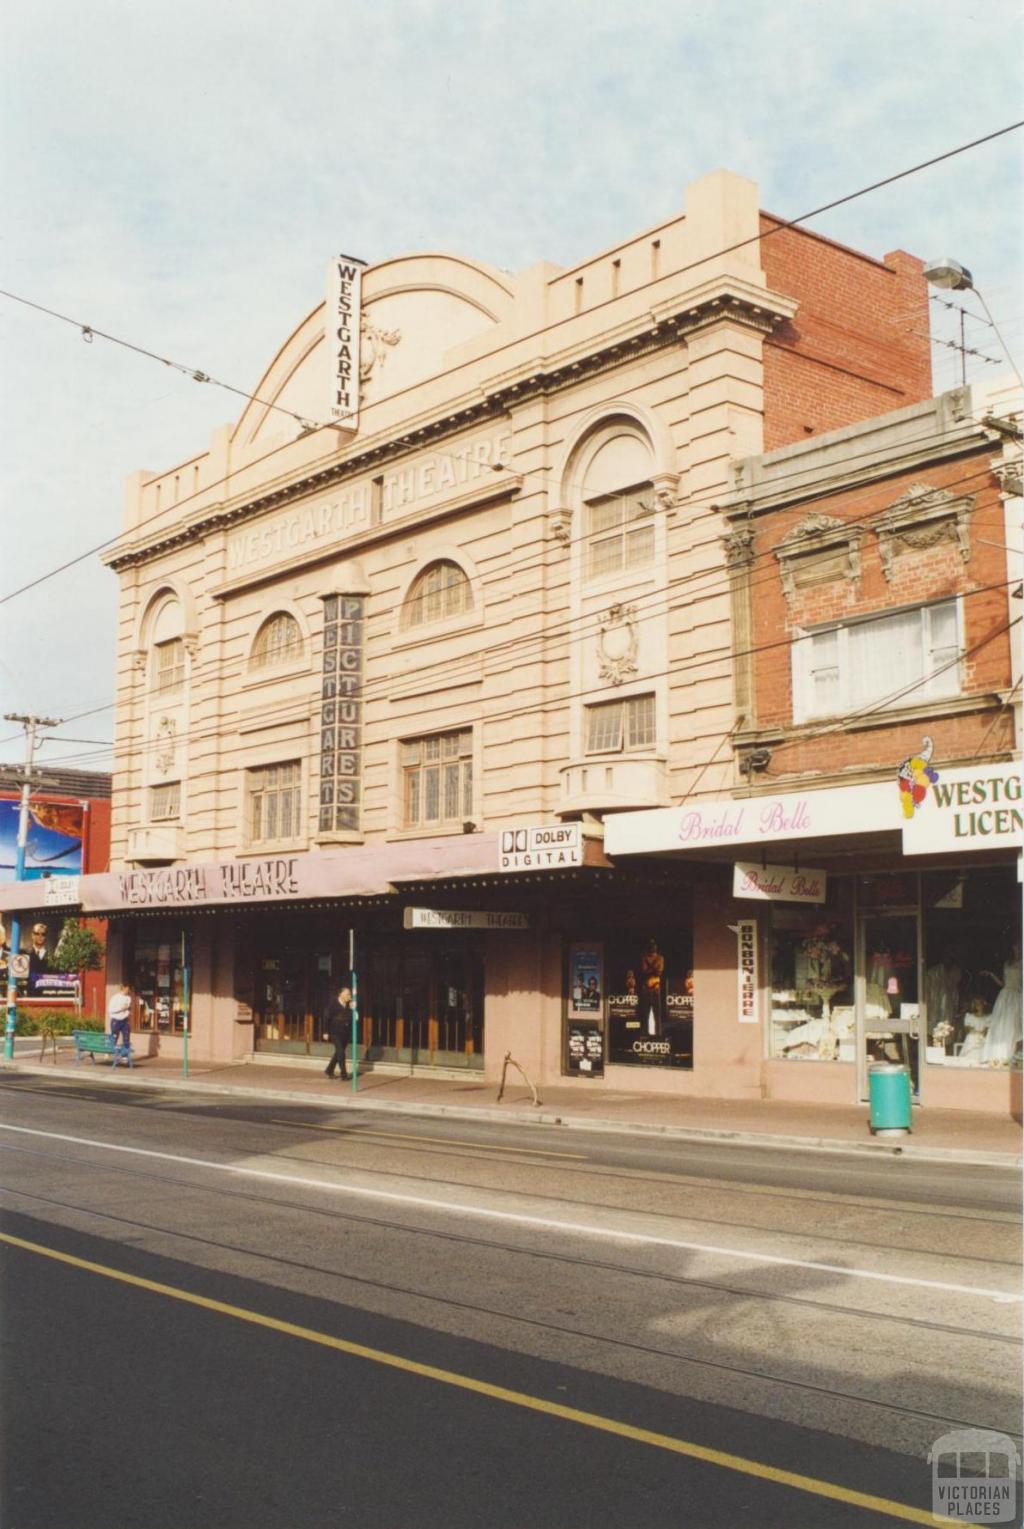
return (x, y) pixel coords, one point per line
(949, 274)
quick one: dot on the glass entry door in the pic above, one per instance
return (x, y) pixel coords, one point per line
(887, 992)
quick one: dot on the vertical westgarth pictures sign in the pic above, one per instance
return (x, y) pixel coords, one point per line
(344, 316)
(341, 714)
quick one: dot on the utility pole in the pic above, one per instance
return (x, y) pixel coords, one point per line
(32, 726)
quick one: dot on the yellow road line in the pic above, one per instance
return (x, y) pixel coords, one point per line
(434, 1141)
(811, 1484)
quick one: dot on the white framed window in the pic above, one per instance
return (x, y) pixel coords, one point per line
(165, 802)
(439, 593)
(621, 726)
(437, 779)
(896, 659)
(278, 641)
(620, 532)
(274, 802)
(169, 665)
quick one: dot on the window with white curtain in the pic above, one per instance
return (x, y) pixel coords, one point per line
(891, 660)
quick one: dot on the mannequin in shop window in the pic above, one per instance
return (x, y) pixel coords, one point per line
(652, 971)
(975, 1026)
(1004, 1030)
(942, 993)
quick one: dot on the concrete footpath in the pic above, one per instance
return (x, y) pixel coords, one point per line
(946, 1135)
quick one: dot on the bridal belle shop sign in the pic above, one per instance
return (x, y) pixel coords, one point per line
(778, 883)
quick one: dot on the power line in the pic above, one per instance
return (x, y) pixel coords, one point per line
(723, 655)
(89, 333)
(378, 690)
(703, 583)
(779, 225)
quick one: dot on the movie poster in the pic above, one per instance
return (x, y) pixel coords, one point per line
(38, 942)
(586, 981)
(650, 1000)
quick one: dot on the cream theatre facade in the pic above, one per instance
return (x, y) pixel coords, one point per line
(381, 678)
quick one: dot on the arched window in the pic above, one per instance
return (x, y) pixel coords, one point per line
(167, 645)
(618, 503)
(440, 591)
(278, 641)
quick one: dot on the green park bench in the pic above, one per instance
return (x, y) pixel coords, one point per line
(94, 1043)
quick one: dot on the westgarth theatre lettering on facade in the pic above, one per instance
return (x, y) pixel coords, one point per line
(401, 491)
(182, 885)
(295, 531)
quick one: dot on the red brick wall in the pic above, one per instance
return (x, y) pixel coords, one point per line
(95, 858)
(858, 345)
(917, 576)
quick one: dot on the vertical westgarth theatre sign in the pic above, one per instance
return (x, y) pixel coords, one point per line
(344, 316)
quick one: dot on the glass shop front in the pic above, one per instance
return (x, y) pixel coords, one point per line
(916, 967)
(420, 996)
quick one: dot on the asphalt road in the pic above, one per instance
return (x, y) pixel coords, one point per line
(220, 1314)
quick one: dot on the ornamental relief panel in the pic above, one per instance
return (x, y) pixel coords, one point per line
(821, 549)
(617, 644)
(922, 518)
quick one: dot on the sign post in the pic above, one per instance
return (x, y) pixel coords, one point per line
(355, 1008)
(186, 1003)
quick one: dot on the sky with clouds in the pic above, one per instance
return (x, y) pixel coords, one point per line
(177, 174)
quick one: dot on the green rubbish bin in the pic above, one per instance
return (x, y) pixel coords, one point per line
(889, 1098)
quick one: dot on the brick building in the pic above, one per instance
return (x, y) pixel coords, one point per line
(391, 675)
(876, 633)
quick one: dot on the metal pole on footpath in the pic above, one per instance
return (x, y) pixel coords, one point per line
(31, 725)
(186, 1001)
(355, 1008)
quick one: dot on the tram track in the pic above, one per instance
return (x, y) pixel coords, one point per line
(467, 1240)
(351, 1131)
(559, 1329)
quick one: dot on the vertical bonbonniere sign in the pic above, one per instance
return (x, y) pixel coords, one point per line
(746, 970)
(344, 312)
(341, 714)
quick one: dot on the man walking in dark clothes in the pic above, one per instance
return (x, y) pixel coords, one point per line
(338, 1024)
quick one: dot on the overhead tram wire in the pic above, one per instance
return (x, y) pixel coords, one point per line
(536, 642)
(546, 708)
(544, 560)
(723, 655)
(779, 226)
(111, 541)
(715, 583)
(666, 598)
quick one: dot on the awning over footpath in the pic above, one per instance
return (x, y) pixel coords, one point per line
(361, 870)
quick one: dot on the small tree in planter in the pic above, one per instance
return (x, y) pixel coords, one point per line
(78, 949)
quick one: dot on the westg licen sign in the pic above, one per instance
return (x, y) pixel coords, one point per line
(976, 807)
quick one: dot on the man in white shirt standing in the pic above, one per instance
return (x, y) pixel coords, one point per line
(119, 1013)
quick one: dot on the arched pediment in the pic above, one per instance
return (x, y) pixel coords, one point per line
(416, 308)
